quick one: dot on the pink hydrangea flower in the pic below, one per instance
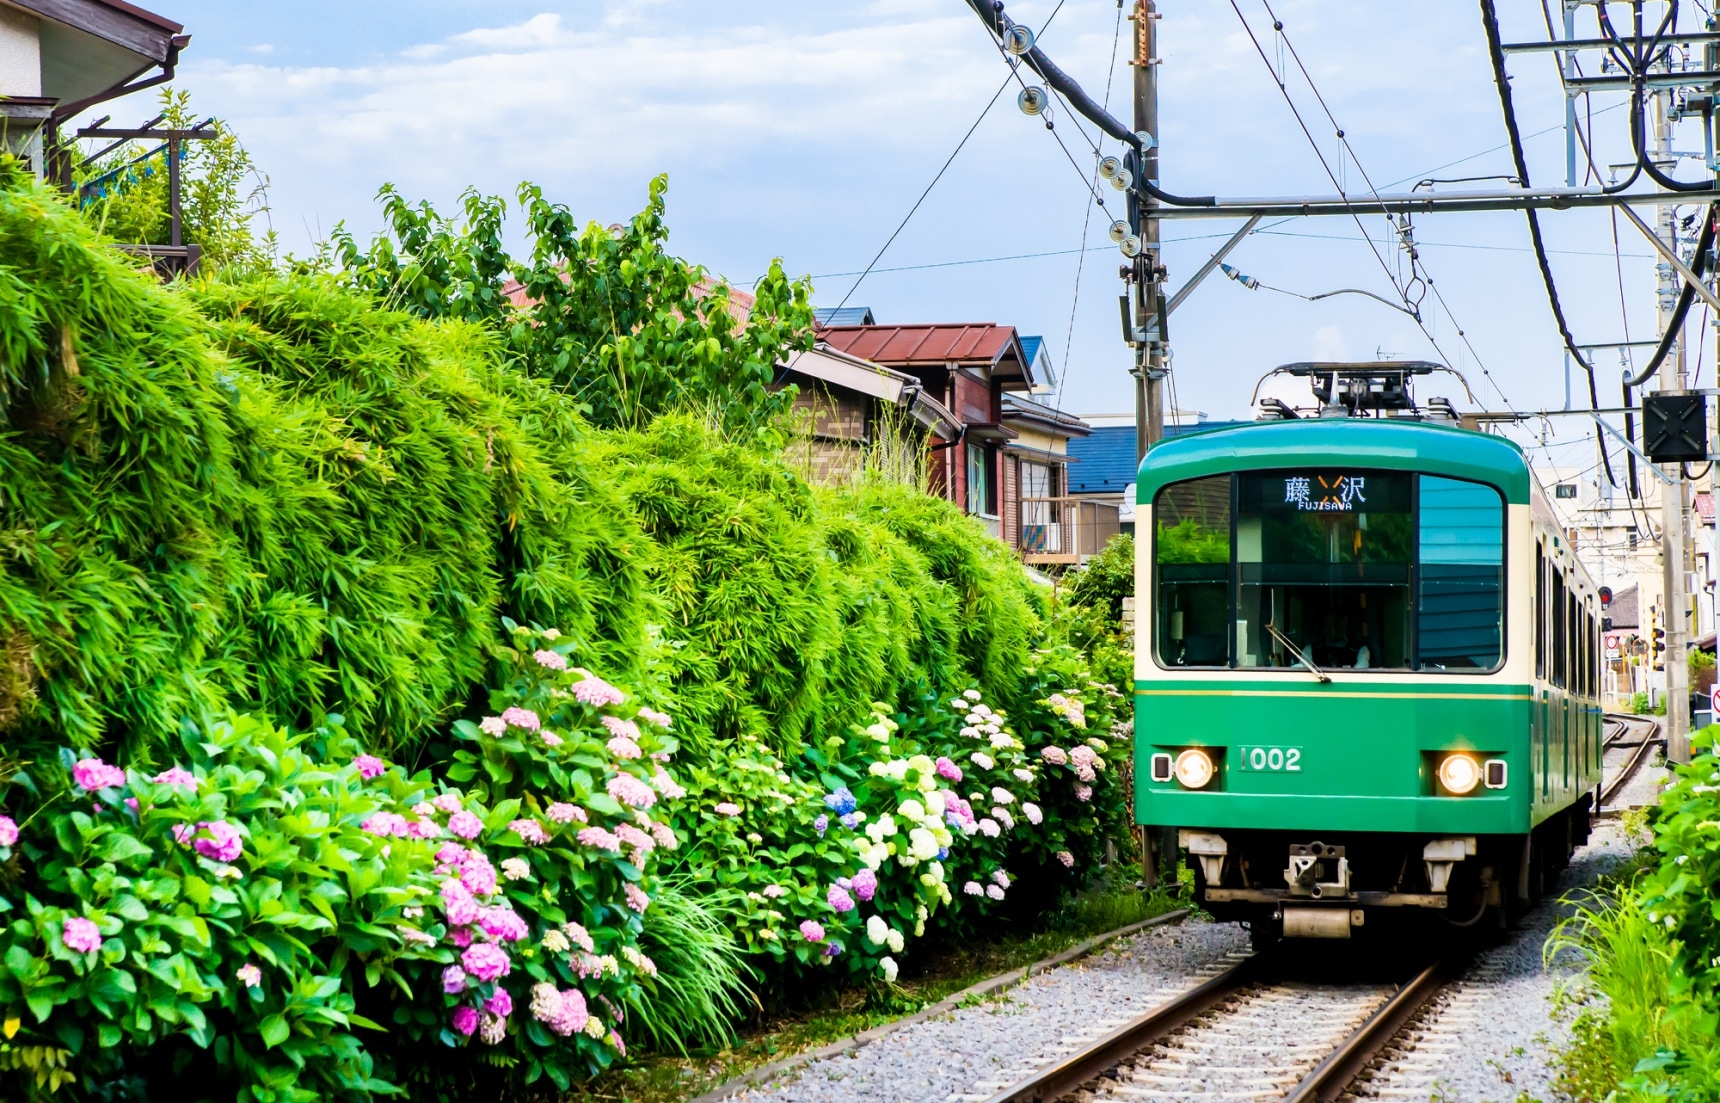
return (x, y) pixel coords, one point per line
(635, 838)
(503, 924)
(465, 824)
(423, 829)
(550, 739)
(486, 962)
(636, 898)
(616, 726)
(453, 979)
(811, 930)
(988, 827)
(1082, 755)
(579, 936)
(1066, 858)
(667, 785)
(840, 901)
(1032, 812)
(461, 937)
(501, 1004)
(8, 831)
(948, 770)
(385, 823)
(449, 854)
(1083, 792)
(218, 840)
(1054, 755)
(596, 692)
(477, 874)
(81, 935)
(176, 775)
(248, 975)
(529, 830)
(562, 812)
(550, 660)
(458, 905)
(865, 885)
(447, 802)
(493, 726)
(623, 748)
(464, 1020)
(424, 810)
(995, 892)
(974, 888)
(727, 808)
(93, 775)
(601, 839)
(521, 718)
(661, 719)
(665, 836)
(369, 766)
(630, 791)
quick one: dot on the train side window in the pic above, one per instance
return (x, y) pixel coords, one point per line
(1540, 611)
(1461, 569)
(1557, 601)
(1191, 563)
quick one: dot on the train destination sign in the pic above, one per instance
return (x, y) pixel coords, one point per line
(1326, 492)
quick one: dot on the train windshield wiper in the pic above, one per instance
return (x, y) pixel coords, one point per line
(1301, 656)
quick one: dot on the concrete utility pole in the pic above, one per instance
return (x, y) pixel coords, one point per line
(1150, 361)
(1673, 498)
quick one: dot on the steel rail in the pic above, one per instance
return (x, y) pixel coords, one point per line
(1332, 1077)
(1057, 1080)
(1610, 789)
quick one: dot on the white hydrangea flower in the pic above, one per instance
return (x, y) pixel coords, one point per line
(983, 761)
(1022, 775)
(972, 694)
(924, 845)
(1002, 740)
(897, 942)
(879, 732)
(1002, 816)
(935, 803)
(877, 930)
(888, 966)
(970, 732)
(1002, 795)
(994, 892)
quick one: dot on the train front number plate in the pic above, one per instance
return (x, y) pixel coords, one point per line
(1280, 760)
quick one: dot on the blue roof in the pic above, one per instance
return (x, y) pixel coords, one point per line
(1030, 347)
(848, 316)
(1106, 457)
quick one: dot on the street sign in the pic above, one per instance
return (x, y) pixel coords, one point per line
(1612, 642)
(1714, 699)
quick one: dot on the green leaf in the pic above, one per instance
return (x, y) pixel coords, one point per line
(117, 846)
(274, 1031)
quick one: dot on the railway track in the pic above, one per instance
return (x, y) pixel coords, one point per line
(1243, 1033)
(1647, 730)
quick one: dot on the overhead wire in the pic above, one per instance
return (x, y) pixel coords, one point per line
(943, 169)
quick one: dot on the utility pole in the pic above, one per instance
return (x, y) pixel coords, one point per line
(1673, 503)
(1148, 275)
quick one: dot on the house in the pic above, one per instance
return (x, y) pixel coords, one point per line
(967, 368)
(61, 57)
(1039, 519)
(856, 411)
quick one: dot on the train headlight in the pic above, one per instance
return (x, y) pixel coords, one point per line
(1194, 769)
(1459, 774)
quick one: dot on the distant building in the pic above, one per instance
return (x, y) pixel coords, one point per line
(844, 316)
(855, 409)
(1039, 518)
(967, 368)
(1106, 457)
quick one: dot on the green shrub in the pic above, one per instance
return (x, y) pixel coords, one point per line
(218, 924)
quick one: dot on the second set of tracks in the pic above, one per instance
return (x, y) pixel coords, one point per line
(1246, 1033)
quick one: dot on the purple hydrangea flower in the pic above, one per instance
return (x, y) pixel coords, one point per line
(93, 775)
(812, 930)
(841, 801)
(453, 979)
(865, 885)
(176, 775)
(500, 1004)
(464, 1020)
(370, 766)
(218, 840)
(465, 824)
(486, 962)
(839, 899)
(8, 831)
(80, 936)
(821, 825)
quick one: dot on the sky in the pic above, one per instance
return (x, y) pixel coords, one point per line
(806, 131)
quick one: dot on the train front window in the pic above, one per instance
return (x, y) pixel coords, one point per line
(1323, 566)
(1344, 569)
(1191, 554)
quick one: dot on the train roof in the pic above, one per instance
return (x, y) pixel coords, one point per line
(1390, 444)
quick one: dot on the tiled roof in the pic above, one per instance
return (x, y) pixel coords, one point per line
(844, 316)
(1625, 610)
(1107, 455)
(980, 343)
(1015, 405)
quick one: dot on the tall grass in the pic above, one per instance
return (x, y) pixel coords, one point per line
(1634, 1035)
(700, 990)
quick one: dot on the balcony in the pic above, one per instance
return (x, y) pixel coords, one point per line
(1065, 530)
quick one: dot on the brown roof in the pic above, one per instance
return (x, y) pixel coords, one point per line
(147, 16)
(973, 344)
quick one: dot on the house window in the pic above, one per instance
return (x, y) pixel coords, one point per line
(979, 482)
(1039, 531)
(1565, 490)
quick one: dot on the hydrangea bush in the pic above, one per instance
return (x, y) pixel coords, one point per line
(220, 918)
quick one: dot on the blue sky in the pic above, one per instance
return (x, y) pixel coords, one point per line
(806, 130)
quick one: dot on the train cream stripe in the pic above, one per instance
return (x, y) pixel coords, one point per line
(1329, 695)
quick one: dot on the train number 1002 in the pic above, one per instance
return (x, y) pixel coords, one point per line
(1287, 760)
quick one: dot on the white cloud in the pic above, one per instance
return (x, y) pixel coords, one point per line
(1329, 344)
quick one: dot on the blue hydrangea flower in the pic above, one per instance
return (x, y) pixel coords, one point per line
(851, 820)
(821, 824)
(831, 949)
(841, 801)
(943, 853)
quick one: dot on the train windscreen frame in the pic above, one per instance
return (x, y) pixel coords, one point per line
(1346, 568)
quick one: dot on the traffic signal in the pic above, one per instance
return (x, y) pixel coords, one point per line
(1659, 640)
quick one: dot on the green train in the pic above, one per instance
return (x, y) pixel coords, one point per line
(1367, 673)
